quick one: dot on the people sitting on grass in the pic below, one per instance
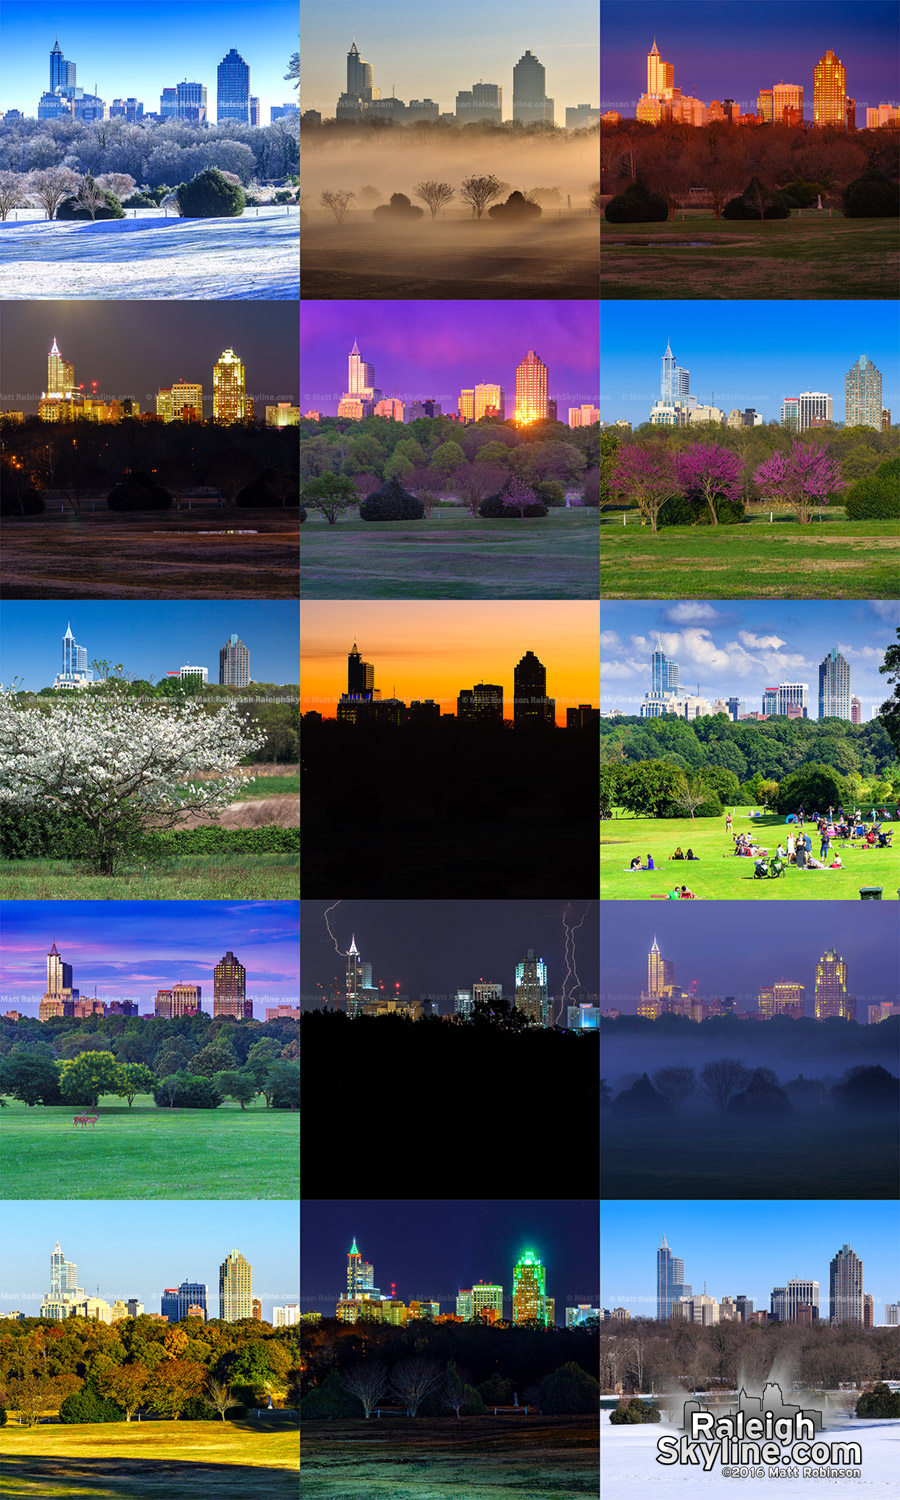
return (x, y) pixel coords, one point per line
(691, 855)
(836, 863)
(678, 854)
(636, 864)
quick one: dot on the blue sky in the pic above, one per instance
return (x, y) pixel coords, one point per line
(743, 353)
(434, 52)
(148, 639)
(136, 1249)
(134, 948)
(744, 1248)
(138, 48)
(739, 649)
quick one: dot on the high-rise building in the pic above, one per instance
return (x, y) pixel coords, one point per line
(168, 104)
(855, 711)
(830, 91)
(801, 412)
(831, 988)
(356, 982)
(63, 1275)
(162, 1005)
(181, 402)
(487, 1300)
(185, 999)
(464, 1305)
(583, 1313)
(230, 989)
(286, 1316)
(462, 1004)
(531, 706)
(235, 1288)
(486, 990)
(62, 73)
(787, 1301)
(530, 102)
(785, 998)
(481, 704)
(531, 390)
(482, 102)
(465, 406)
(191, 1294)
(529, 1289)
(234, 663)
(845, 1287)
(190, 102)
(787, 97)
(660, 972)
(60, 374)
(233, 89)
(531, 987)
(670, 1283)
(674, 382)
(230, 400)
(75, 671)
(663, 673)
(490, 401)
(168, 1303)
(765, 105)
(864, 407)
(834, 686)
(361, 394)
(360, 676)
(660, 75)
(359, 75)
(790, 699)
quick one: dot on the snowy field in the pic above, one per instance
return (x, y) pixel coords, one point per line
(253, 258)
(629, 1471)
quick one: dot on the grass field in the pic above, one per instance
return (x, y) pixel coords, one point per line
(475, 1458)
(151, 1461)
(784, 560)
(452, 556)
(145, 1152)
(271, 786)
(718, 875)
(805, 256)
(196, 877)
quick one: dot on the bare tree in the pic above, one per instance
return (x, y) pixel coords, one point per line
(368, 1382)
(426, 484)
(676, 1083)
(220, 1394)
(338, 200)
(413, 1379)
(91, 197)
(637, 1347)
(609, 1353)
(120, 183)
(455, 1392)
(12, 192)
(51, 186)
(595, 195)
(480, 191)
(473, 482)
(435, 194)
(722, 1078)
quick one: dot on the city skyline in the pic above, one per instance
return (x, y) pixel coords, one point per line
(433, 649)
(740, 649)
(741, 1247)
(146, 946)
(133, 56)
(435, 350)
(148, 637)
(780, 352)
(742, 55)
(137, 1249)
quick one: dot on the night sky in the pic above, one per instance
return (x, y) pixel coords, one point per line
(438, 947)
(730, 49)
(135, 348)
(736, 948)
(431, 1249)
(437, 349)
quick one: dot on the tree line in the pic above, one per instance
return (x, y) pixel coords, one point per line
(733, 1088)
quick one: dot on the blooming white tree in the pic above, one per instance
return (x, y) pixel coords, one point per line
(121, 765)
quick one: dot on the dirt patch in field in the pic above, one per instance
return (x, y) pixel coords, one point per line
(257, 812)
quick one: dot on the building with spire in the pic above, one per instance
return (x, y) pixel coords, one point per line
(361, 1290)
(670, 1283)
(75, 671)
(361, 394)
(230, 989)
(59, 994)
(530, 102)
(531, 706)
(60, 1301)
(663, 101)
(354, 984)
(531, 390)
(675, 404)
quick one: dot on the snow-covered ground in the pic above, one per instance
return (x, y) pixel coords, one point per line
(254, 257)
(629, 1471)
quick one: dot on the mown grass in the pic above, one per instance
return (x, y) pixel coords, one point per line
(145, 1152)
(805, 256)
(151, 1461)
(718, 875)
(195, 877)
(452, 556)
(784, 560)
(270, 786)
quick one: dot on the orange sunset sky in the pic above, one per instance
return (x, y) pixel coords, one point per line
(432, 648)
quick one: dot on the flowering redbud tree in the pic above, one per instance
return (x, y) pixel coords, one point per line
(645, 476)
(709, 472)
(519, 496)
(121, 766)
(803, 477)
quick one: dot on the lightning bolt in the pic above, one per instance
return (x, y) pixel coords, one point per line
(571, 966)
(341, 951)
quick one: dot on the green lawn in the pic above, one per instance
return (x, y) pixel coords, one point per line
(720, 876)
(145, 1152)
(757, 560)
(195, 877)
(805, 256)
(452, 556)
(271, 786)
(152, 1461)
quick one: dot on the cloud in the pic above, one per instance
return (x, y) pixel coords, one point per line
(691, 609)
(618, 669)
(862, 653)
(609, 640)
(886, 609)
(760, 642)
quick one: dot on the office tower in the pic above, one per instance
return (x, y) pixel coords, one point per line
(529, 1290)
(254, 110)
(62, 73)
(63, 1275)
(792, 700)
(429, 408)
(191, 1294)
(466, 405)
(660, 971)
(845, 1287)
(743, 1306)
(864, 407)
(531, 987)
(230, 989)
(487, 1301)
(60, 374)
(233, 88)
(168, 104)
(75, 671)
(356, 981)
(530, 102)
(892, 1314)
(531, 706)
(181, 402)
(663, 673)
(234, 663)
(464, 1305)
(482, 102)
(360, 1276)
(229, 395)
(462, 1004)
(583, 1313)
(815, 409)
(785, 998)
(670, 1283)
(868, 1310)
(486, 990)
(200, 675)
(787, 96)
(531, 390)
(360, 374)
(185, 999)
(675, 382)
(490, 401)
(787, 1301)
(162, 1005)
(235, 1288)
(660, 75)
(190, 102)
(168, 1304)
(855, 711)
(287, 1316)
(59, 974)
(834, 686)
(359, 75)
(831, 988)
(765, 105)
(830, 91)
(482, 704)
(360, 676)
(790, 413)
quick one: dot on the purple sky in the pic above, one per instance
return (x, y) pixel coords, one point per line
(730, 49)
(437, 349)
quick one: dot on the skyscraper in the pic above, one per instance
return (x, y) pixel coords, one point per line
(233, 88)
(529, 1289)
(483, 101)
(670, 1283)
(660, 972)
(356, 977)
(185, 999)
(181, 402)
(75, 671)
(855, 711)
(230, 401)
(830, 91)
(60, 374)
(360, 1273)
(674, 382)
(663, 673)
(660, 75)
(490, 401)
(834, 686)
(361, 394)
(531, 987)
(192, 1294)
(62, 72)
(230, 989)
(487, 1298)
(531, 706)
(360, 676)
(787, 97)
(59, 975)
(831, 988)
(190, 102)
(530, 102)
(482, 703)
(786, 1301)
(864, 407)
(235, 1288)
(234, 663)
(531, 390)
(63, 1275)
(845, 1287)
(359, 75)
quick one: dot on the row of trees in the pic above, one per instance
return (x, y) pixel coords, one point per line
(735, 1089)
(200, 1043)
(477, 192)
(378, 449)
(481, 489)
(426, 1387)
(33, 1077)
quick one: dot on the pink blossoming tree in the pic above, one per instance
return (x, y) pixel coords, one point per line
(803, 477)
(644, 475)
(709, 472)
(519, 496)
